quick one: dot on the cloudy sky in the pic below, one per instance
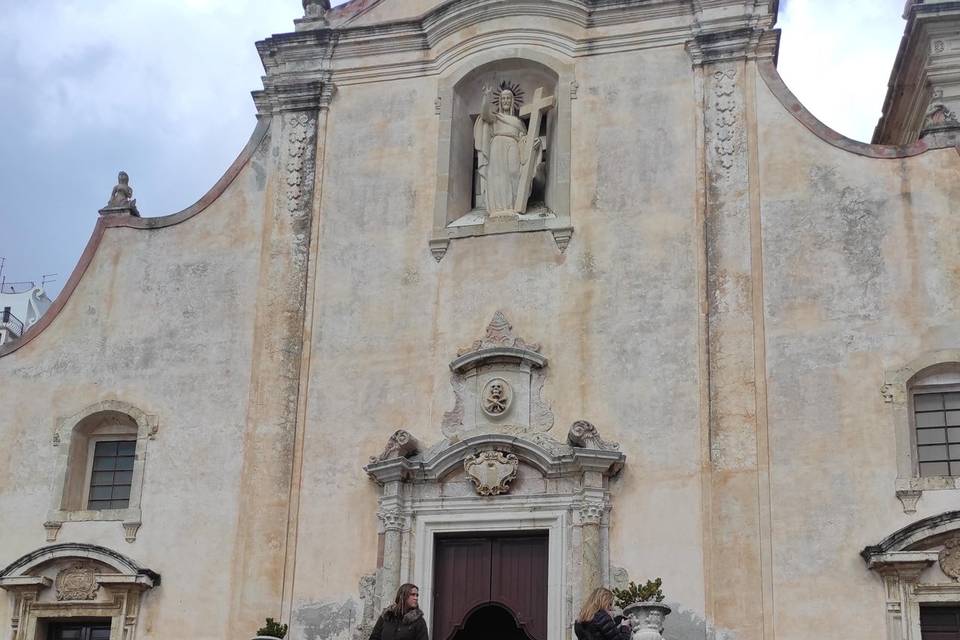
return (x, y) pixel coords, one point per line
(160, 88)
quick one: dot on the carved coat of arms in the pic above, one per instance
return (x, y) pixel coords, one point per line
(950, 558)
(78, 582)
(492, 471)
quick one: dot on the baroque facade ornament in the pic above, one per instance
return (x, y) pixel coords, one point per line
(950, 558)
(300, 130)
(509, 151)
(727, 127)
(492, 471)
(392, 519)
(121, 198)
(586, 436)
(500, 334)
(400, 445)
(78, 582)
(497, 395)
(591, 513)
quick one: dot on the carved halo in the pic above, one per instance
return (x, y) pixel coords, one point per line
(513, 88)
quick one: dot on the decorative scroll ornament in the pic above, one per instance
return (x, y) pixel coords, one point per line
(584, 435)
(492, 471)
(497, 396)
(78, 582)
(400, 445)
(950, 558)
(500, 334)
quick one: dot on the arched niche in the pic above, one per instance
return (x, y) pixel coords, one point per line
(457, 211)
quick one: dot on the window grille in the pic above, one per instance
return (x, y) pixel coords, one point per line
(112, 475)
(937, 418)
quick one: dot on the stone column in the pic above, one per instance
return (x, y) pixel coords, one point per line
(391, 522)
(591, 548)
(736, 483)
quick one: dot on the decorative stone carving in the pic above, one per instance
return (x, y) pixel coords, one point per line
(496, 398)
(647, 619)
(584, 435)
(909, 498)
(498, 385)
(591, 513)
(130, 530)
(950, 558)
(400, 445)
(79, 582)
(52, 528)
(315, 9)
(500, 334)
(392, 519)
(886, 391)
(368, 595)
(121, 198)
(938, 115)
(508, 153)
(492, 471)
(619, 578)
(727, 126)
(300, 130)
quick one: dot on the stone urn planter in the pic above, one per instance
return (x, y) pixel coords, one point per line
(647, 619)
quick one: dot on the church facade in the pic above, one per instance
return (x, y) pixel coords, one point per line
(549, 295)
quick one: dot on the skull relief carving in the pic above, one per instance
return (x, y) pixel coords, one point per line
(497, 395)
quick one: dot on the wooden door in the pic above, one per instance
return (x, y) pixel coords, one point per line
(940, 623)
(508, 572)
(95, 630)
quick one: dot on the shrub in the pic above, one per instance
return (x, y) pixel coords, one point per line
(649, 592)
(273, 629)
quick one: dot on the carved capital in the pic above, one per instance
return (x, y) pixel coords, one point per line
(392, 519)
(492, 471)
(591, 513)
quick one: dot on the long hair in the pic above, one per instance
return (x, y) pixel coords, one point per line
(399, 607)
(600, 598)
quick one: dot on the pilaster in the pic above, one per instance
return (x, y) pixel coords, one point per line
(738, 571)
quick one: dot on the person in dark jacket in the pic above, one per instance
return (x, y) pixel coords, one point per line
(595, 621)
(403, 620)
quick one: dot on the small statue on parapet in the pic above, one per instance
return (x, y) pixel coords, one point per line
(315, 9)
(121, 198)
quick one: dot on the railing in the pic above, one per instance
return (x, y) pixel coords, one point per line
(10, 322)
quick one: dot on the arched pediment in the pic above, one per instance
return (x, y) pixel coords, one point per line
(27, 564)
(915, 536)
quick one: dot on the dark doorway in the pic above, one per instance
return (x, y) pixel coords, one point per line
(491, 621)
(940, 623)
(491, 587)
(85, 630)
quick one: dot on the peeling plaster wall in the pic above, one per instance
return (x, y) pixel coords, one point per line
(861, 274)
(617, 313)
(161, 320)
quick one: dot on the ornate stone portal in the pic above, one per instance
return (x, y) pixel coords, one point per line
(496, 470)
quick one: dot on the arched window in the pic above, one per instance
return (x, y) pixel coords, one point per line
(101, 466)
(924, 400)
(935, 413)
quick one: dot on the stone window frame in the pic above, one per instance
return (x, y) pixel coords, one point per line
(562, 227)
(65, 436)
(897, 390)
(909, 574)
(126, 588)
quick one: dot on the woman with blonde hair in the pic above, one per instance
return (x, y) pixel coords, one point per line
(595, 621)
(402, 620)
